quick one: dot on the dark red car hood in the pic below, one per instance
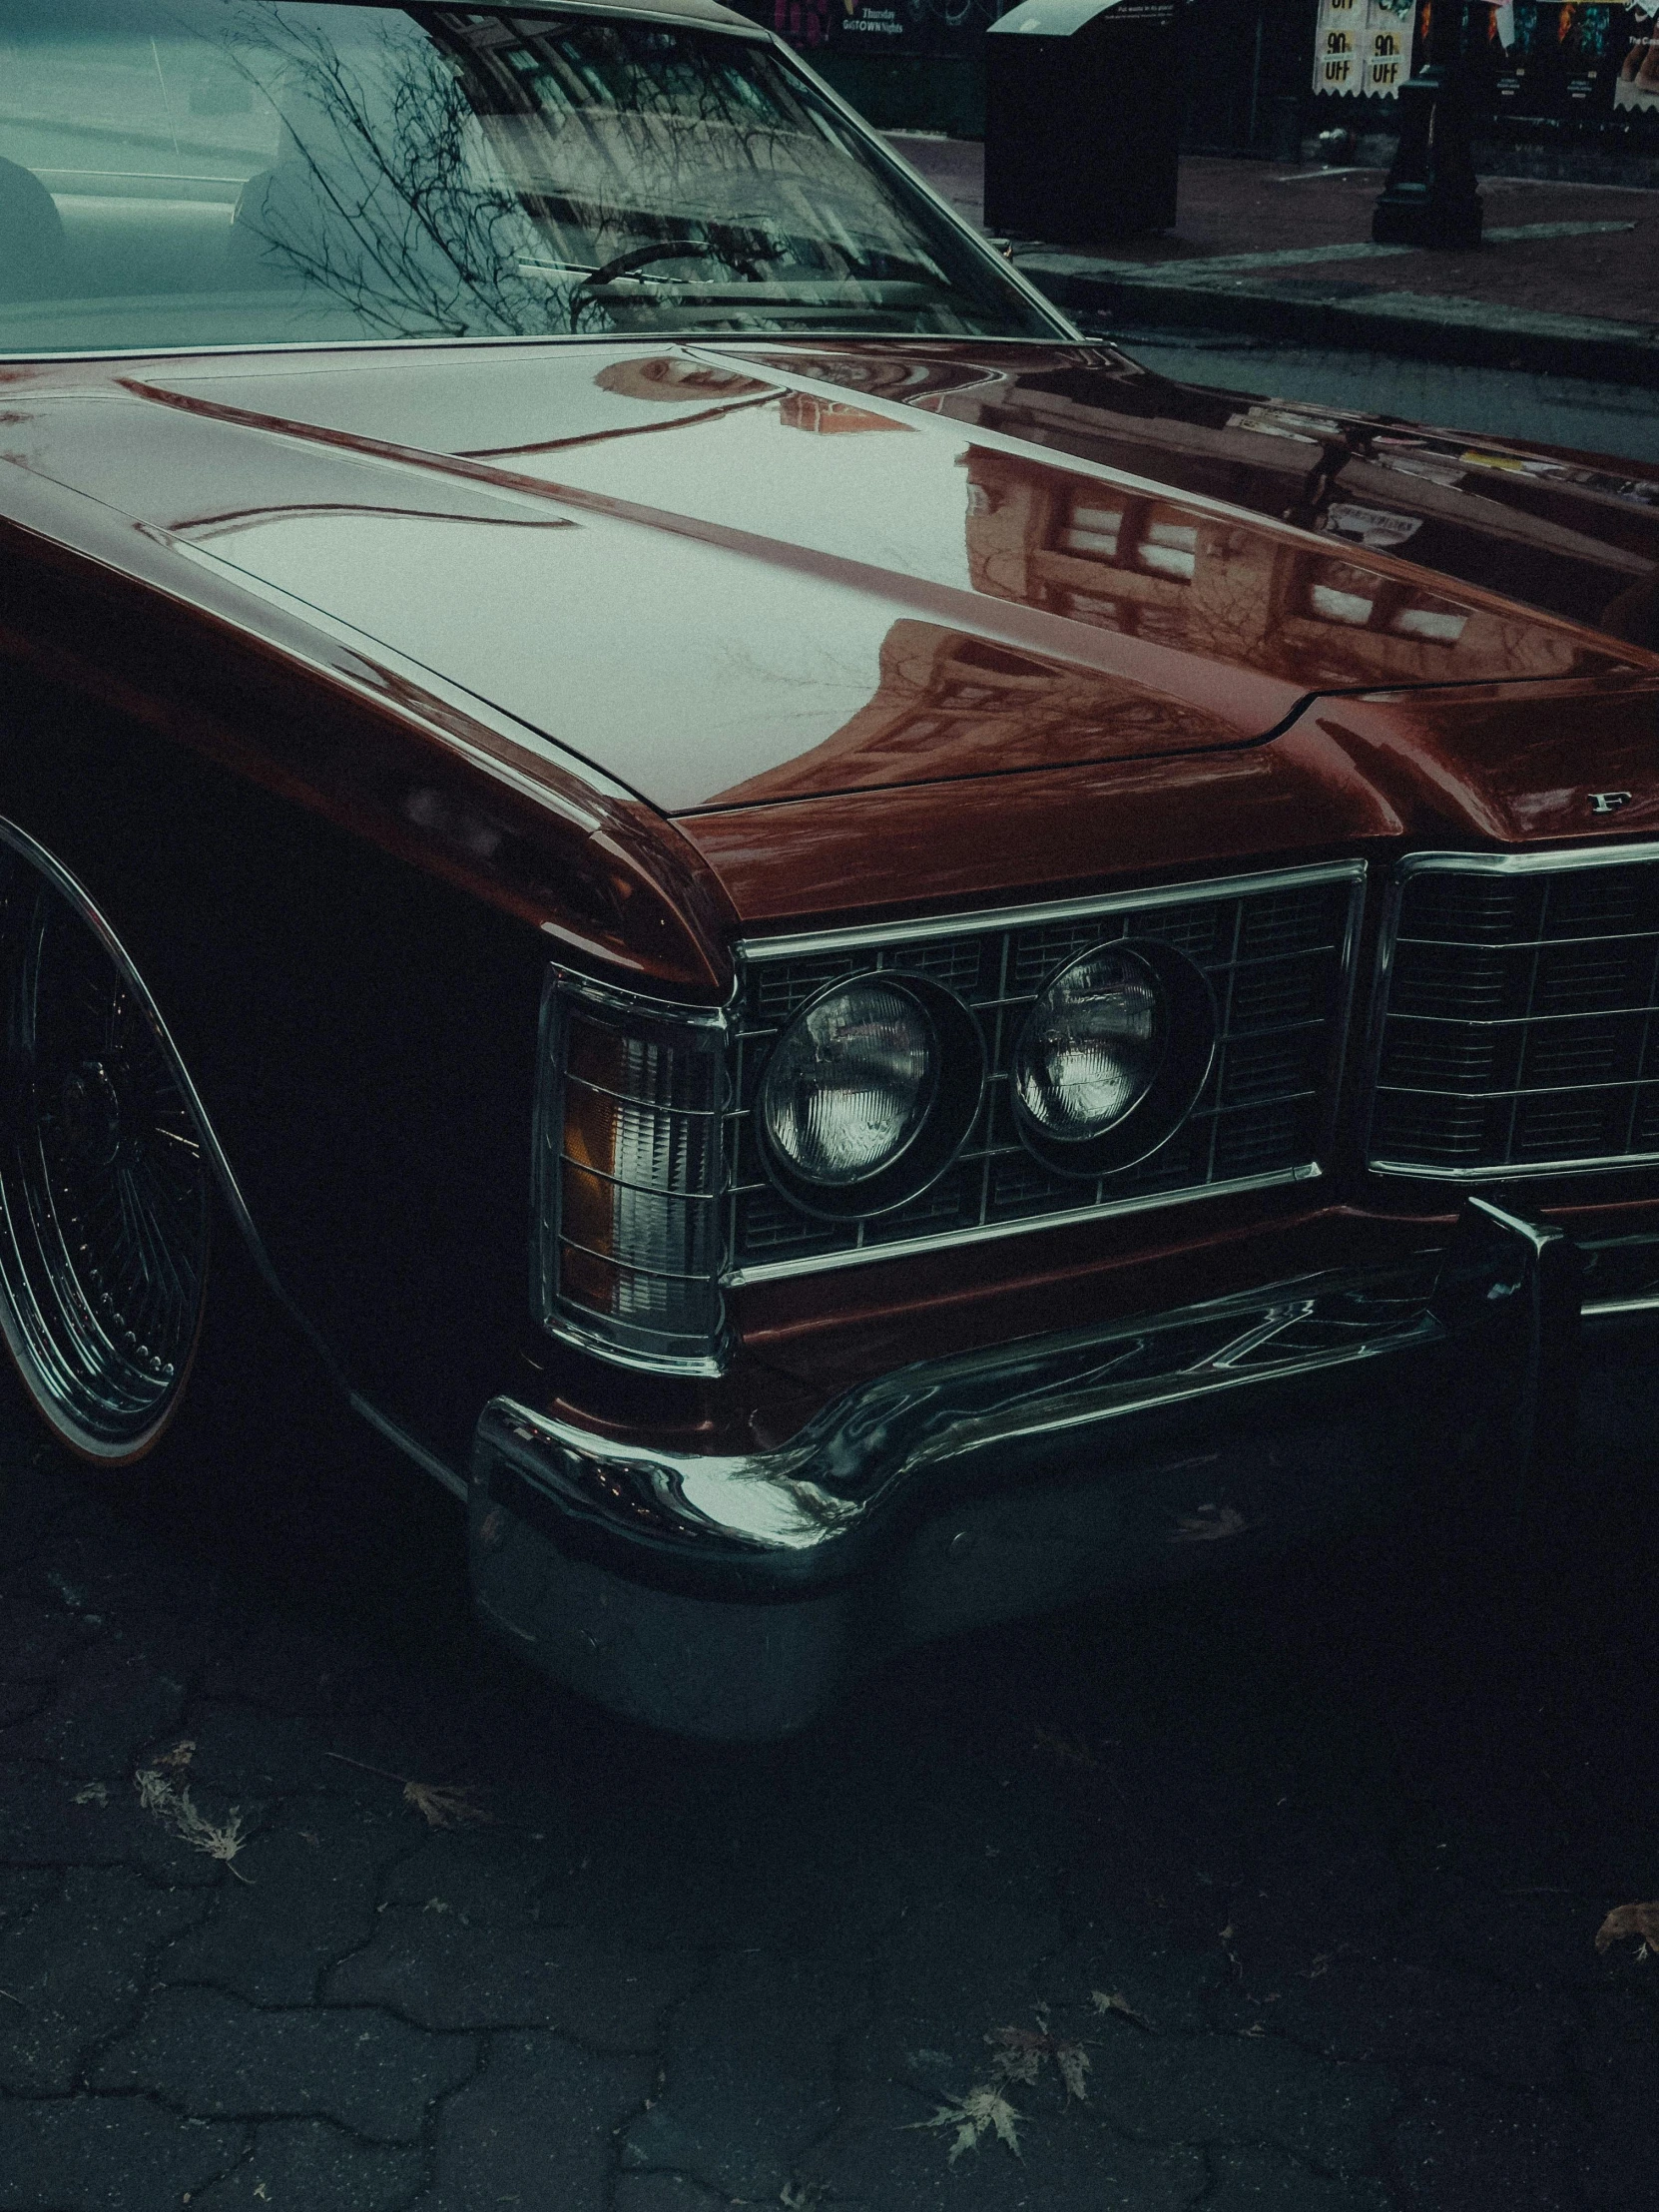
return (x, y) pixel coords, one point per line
(1576, 534)
(731, 579)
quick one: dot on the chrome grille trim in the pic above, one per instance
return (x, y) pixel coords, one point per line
(953, 951)
(1562, 1029)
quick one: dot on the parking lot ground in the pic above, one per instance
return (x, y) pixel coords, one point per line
(1273, 1891)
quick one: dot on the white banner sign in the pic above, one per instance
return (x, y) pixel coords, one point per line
(1362, 46)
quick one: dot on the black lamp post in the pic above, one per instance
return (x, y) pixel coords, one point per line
(1433, 197)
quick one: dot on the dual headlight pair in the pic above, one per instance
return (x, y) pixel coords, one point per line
(873, 1089)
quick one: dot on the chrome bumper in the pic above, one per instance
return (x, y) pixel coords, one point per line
(731, 1597)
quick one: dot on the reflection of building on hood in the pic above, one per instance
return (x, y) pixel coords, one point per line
(802, 410)
(1150, 568)
(674, 377)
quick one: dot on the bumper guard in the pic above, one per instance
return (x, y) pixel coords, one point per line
(731, 1597)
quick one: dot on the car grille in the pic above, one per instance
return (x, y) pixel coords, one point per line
(1519, 1032)
(1277, 952)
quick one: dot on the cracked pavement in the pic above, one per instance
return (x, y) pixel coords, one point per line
(1336, 1831)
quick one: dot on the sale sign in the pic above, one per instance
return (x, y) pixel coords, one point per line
(1362, 47)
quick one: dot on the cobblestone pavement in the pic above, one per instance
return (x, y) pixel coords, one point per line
(1331, 1841)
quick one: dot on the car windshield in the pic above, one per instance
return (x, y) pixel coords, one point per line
(177, 173)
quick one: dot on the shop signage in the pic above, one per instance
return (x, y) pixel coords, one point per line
(925, 28)
(936, 29)
(1362, 47)
(1545, 61)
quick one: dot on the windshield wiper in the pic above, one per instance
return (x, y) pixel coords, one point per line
(628, 265)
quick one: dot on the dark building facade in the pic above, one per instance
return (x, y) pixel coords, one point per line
(1571, 87)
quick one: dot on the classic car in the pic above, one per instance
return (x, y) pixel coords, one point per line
(857, 967)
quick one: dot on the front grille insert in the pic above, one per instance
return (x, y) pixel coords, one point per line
(1519, 1032)
(1278, 952)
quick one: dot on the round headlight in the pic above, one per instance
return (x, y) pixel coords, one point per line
(848, 1087)
(1111, 1057)
(1092, 1046)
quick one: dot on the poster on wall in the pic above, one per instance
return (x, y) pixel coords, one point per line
(1638, 79)
(1571, 60)
(930, 28)
(1362, 47)
(1547, 61)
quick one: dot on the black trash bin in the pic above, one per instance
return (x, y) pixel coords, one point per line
(1082, 113)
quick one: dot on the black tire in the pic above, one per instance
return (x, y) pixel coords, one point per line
(105, 1186)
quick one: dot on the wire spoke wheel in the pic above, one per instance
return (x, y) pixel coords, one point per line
(104, 1197)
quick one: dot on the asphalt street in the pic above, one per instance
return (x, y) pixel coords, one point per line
(1275, 1891)
(1494, 402)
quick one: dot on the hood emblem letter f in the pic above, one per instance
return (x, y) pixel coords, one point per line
(1608, 802)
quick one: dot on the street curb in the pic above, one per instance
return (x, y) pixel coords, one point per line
(1417, 326)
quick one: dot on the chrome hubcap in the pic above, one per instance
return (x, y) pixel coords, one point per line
(103, 1188)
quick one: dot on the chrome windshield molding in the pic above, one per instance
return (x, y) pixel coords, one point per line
(700, 1352)
(177, 355)
(996, 1232)
(921, 931)
(1555, 860)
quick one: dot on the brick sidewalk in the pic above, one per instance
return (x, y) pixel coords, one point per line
(1562, 259)
(1331, 1841)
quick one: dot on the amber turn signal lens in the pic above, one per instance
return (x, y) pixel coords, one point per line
(627, 1180)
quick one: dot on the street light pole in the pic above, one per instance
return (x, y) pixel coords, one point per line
(1433, 197)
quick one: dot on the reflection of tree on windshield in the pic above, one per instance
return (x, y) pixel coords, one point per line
(373, 198)
(448, 174)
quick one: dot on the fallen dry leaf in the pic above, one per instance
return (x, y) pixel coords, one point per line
(1074, 2063)
(173, 1808)
(1115, 2001)
(1021, 2054)
(983, 2110)
(95, 1792)
(1208, 1524)
(1640, 1921)
(441, 1808)
(178, 1757)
